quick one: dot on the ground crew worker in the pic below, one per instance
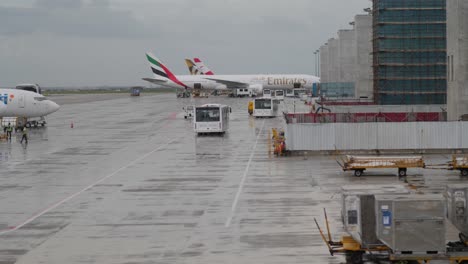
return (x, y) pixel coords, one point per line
(9, 129)
(25, 135)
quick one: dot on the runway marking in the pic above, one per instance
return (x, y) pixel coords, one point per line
(57, 204)
(244, 177)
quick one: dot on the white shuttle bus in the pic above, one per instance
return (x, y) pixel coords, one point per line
(289, 93)
(265, 107)
(279, 94)
(266, 93)
(211, 118)
(299, 92)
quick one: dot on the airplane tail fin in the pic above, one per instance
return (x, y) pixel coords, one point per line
(160, 70)
(201, 66)
(191, 66)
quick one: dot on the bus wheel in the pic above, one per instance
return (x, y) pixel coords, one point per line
(464, 172)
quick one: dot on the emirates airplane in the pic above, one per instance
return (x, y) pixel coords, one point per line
(257, 82)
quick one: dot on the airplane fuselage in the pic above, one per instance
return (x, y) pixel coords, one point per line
(260, 82)
(20, 103)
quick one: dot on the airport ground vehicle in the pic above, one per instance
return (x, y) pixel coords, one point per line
(265, 107)
(188, 111)
(267, 93)
(359, 164)
(400, 227)
(211, 118)
(250, 107)
(135, 91)
(244, 92)
(19, 122)
(279, 94)
(299, 92)
(289, 93)
(459, 163)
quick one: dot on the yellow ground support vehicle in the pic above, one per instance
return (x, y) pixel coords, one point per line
(459, 163)
(279, 144)
(359, 164)
(457, 252)
(251, 107)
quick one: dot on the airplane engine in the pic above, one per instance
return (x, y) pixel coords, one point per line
(221, 87)
(197, 86)
(257, 88)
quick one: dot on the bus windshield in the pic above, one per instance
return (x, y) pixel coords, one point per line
(207, 114)
(262, 104)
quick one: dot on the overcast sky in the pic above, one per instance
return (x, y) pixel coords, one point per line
(102, 42)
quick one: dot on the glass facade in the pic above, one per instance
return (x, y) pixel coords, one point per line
(337, 89)
(409, 43)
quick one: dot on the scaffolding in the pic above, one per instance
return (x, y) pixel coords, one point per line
(409, 47)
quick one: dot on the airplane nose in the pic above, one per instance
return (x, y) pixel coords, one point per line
(53, 107)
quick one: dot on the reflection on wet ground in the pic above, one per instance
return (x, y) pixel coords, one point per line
(131, 183)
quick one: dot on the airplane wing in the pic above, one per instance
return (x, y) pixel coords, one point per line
(157, 81)
(230, 84)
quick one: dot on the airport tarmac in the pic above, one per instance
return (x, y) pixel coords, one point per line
(132, 183)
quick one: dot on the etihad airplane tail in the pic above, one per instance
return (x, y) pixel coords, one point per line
(191, 67)
(161, 71)
(201, 67)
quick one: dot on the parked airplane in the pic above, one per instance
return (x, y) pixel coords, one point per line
(202, 68)
(20, 103)
(197, 67)
(256, 82)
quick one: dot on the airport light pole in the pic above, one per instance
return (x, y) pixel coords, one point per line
(318, 62)
(315, 62)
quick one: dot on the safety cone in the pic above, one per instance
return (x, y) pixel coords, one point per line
(71, 125)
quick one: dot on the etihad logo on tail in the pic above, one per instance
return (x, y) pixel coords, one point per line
(191, 66)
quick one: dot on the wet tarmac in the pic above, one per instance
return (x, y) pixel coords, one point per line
(132, 183)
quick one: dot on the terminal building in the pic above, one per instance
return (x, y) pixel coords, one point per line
(345, 62)
(409, 47)
(457, 60)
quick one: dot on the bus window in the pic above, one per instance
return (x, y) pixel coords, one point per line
(207, 114)
(263, 104)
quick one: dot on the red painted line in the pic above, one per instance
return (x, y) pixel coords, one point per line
(172, 116)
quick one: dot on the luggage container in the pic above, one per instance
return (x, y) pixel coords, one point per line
(411, 224)
(457, 208)
(358, 211)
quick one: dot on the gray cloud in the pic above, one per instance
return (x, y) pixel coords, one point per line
(70, 17)
(102, 42)
(59, 3)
